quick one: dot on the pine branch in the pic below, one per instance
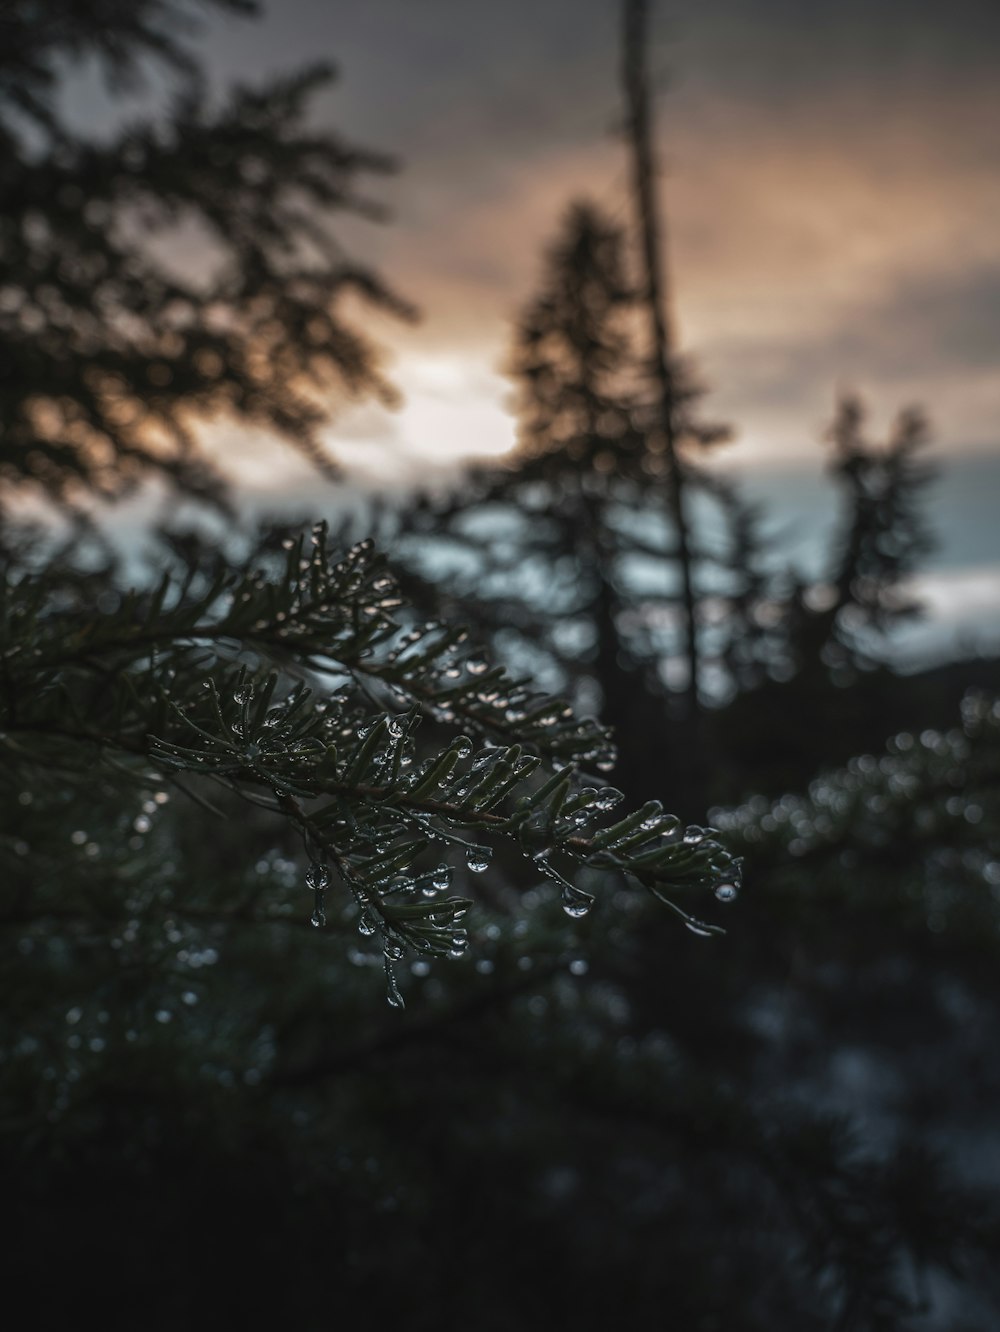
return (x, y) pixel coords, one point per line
(197, 677)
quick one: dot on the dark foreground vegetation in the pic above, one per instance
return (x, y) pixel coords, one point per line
(295, 775)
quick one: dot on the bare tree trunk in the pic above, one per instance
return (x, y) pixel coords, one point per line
(636, 88)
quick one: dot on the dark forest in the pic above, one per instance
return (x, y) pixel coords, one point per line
(522, 898)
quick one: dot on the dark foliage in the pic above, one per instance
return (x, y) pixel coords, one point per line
(283, 778)
(111, 352)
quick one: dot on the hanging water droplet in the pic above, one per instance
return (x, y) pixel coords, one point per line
(726, 892)
(575, 902)
(318, 917)
(317, 876)
(478, 858)
(476, 665)
(441, 878)
(243, 695)
(393, 995)
(367, 924)
(392, 950)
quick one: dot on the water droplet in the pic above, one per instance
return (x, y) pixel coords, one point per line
(318, 917)
(367, 925)
(608, 797)
(441, 878)
(476, 665)
(243, 694)
(392, 950)
(478, 858)
(575, 902)
(694, 834)
(726, 892)
(317, 876)
(393, 994)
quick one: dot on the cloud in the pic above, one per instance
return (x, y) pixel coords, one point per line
(830, 178)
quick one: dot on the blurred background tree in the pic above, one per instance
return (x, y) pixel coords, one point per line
(111, 351)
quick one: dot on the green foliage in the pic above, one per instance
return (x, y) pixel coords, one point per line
(929, 803)
(570, 1096)
(233, 796)
(292, 683)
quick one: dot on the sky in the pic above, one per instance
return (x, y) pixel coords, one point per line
(830, 180)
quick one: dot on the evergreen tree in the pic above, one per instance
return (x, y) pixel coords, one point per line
(556, 540)
(111, 354)
(884, 534)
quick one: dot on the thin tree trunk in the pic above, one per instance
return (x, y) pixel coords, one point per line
(651, 235)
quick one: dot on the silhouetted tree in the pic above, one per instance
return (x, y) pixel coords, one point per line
(112, 352)
(884, 534)
(556, 540)
(655, 297)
